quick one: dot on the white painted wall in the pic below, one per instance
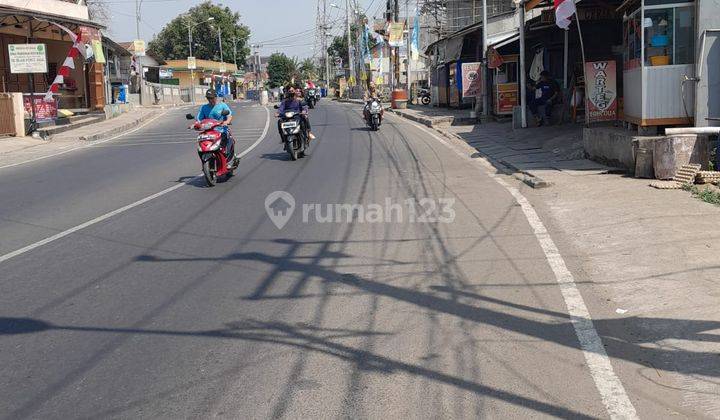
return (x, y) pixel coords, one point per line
(55, 7)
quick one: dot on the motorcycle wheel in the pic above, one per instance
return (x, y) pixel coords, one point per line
(425, 100)
(209, 173)
(292, 151)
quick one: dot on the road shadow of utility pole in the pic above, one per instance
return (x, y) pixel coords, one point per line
(312, 339)
(635, 339)
(275, 156)
(194, 181)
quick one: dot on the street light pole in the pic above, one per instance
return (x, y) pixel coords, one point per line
(141, 72)
(351, 58)
(190, 45)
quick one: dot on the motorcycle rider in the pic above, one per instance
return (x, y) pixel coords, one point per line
(370, 94)
(213, 110)
(292, 103)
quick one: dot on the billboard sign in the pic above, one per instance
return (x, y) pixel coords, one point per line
(471, 80)
(601, 98)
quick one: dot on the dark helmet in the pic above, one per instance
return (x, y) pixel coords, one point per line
(210, 93)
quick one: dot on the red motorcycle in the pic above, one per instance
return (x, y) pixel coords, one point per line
(213, 154)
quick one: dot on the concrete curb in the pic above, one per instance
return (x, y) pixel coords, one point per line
(524, 176)
(59, 129)
(421, 120)
(117, 130)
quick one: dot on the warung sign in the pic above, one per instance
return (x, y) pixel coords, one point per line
(601, 99)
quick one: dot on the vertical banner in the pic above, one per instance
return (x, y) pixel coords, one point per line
(471, 80)
(396, 34)
(601, 86)
(494, 58)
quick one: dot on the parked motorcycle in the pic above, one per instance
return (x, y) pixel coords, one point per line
(424, 96)
(311, 98)
(295, 138)
(213, 154)
(374, 114)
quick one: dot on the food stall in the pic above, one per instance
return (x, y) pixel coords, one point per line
(505, 85)
(659, 53)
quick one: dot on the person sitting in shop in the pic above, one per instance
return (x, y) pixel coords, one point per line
(547, 93)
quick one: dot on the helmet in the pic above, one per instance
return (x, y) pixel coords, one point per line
(210, 93)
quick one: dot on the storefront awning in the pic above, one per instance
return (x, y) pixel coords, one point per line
(500, 40)
(13, 11)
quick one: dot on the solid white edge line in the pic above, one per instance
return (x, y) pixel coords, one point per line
(106, 216)
(611, 390)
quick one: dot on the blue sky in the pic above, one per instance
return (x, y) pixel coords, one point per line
(268, 20)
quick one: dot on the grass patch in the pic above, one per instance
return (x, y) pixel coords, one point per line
(706, 194)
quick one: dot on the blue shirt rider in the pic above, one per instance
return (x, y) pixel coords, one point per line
(213, 110)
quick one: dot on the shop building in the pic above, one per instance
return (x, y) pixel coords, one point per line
(33, 22)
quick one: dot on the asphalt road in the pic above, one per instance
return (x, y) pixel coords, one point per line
(194, 304)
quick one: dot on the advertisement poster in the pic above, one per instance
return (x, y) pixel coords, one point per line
(44, 110)
(601, 98)
(396, 34)
(506, 101)
(471, 80)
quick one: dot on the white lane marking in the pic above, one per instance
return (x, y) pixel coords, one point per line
(85, 146)
(106, 216)
(612, 392)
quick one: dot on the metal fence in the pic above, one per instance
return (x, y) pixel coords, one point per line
(463, 13)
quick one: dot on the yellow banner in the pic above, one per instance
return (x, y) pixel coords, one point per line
(396, 34)
(98, 52)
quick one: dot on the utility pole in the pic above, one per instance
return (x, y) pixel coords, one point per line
(396, 18)
(141, 69)
(351, 58)
(485, 96)
(409, 48)
(138, 3)
(234, 40)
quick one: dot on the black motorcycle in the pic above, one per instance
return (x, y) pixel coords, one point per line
(373, 114)
(295, 137)
(424, 96)
(310, 98)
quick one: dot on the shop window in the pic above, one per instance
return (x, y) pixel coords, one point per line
(684, 35)
(669, 36)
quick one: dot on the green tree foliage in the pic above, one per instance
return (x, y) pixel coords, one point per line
(281, 69)
(172, 42)
(308, 70)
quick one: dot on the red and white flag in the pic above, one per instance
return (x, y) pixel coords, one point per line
(564, 9)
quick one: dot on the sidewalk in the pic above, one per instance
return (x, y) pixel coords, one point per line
(648, 255)
(20, 149)
(534, 154)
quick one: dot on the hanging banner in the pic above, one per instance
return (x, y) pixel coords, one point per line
(494, 58)
(396, 34)
(139, 47)
(471, 80)
(191, 63)
(601, 84)
(98, 52)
